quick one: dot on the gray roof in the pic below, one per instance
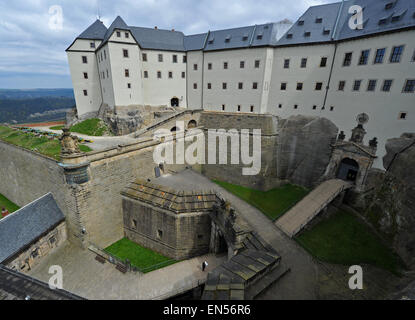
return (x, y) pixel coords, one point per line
(26, 225)
(373, 12)
(95, 31)
(316, 25)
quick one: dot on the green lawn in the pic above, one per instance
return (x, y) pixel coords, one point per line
(343, 239)
(6, 203)
(273, 203)
(91, 127)
(144, 259)
(43, 145)
(57, 127)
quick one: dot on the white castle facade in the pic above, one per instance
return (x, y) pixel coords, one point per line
(318, 66)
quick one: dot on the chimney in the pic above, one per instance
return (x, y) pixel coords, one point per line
(155, 27)
(173, 30)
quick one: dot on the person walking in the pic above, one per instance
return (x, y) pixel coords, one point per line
(204, 265)
(4, 212)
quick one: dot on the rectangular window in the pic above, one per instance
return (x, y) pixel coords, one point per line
(195, 85)
(129, 85)
(170, 75)
(223, 107)
(371, 85)
(146, 74)
(118, 34)
(357, 84)
(174, 58)
(319, 86)
(85, 93)
(299, 86)
(303, 62)
(144, 56)
(240, 85)
(209, 86)
(396, 54)
(402, 115)
(342, 84)
(332, 108)
(364, 57)
(239, 107)
(183, 75)
(184, 59)
(85, 75)
(160, 57)
(387, 85)
(284, 86)
(125, 53)
(409, 86)
(107, 74)
(296, 106)
(134, 224)
(225, 65)
(224, 85)
(158, 74)
(286, 63)
(280, 106)
(209, 66)
(242, 64)
(257, 63)
(314, 107)
(347, 59)
(127, 73)
(127, 35)
(323, 62)
(252, 108)
(413, 57)
(84, 59)
(195, 67)
(92, 45)
(255, 85)
(380, 54)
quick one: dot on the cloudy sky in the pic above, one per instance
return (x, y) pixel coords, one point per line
(32, 43)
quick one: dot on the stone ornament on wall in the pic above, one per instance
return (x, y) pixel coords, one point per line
(69, 143)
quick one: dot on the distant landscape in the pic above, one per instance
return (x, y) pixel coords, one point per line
(34, 105)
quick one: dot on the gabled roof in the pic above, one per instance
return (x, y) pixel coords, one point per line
(26, 225)
(195, 42)
(95, 31)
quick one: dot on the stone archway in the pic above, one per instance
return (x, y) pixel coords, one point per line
(174, 102)
(174, 129)
(348, 170)
(192, 124)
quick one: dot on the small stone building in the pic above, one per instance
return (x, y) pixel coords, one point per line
(173, 223)
(31, 233)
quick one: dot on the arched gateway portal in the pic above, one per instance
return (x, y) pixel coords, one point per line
(348, 170)
(174, 102)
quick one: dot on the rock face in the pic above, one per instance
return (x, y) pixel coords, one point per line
(304, 148)
(389, 205)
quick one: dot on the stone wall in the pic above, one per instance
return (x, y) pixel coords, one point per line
(177, 236)
(27, 259)
(389, 202)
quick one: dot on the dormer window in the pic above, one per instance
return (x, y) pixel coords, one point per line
(326, 32)
(210, 41)
(245, 37)
(301, 22)
(319, 20)
(383, 21)
(390, 5)
(228, 38)
(289, 36)
(396, 17)
(307, 34)
(259, 36)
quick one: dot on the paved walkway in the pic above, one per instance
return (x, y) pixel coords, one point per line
(99, 143)
(303, 212)
(88, 278)
(301, 282)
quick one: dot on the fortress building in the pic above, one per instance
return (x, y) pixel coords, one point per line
(319, 66)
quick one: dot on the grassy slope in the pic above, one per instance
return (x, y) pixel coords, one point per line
(343, 239)
(56, 128)
(272, 203)
(6, 203)
(91, 127)
(143, 258)
(43, 145)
